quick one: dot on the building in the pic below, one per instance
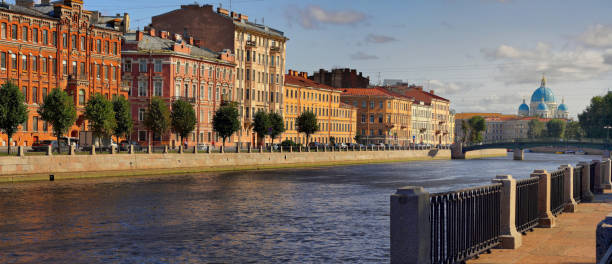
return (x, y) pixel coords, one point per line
(440, 111)
(341, 78)
(499, 127)
(543, 104)
(336, 119)
(260, 53)
(422, 128)
(382, 116)
(49, 45)
(168, 65)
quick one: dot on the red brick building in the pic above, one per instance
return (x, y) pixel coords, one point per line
(341, 78)
(60, 45)
(168, 65)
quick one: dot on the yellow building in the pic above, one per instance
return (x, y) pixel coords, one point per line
(382, 117)
(336, 119)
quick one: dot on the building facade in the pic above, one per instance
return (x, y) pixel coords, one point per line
(499, 127)
(422, 128)
(259, 49)
(167, 65)
(336, 119)
(543, 104)
(341, 78)
(58, 45)
(382, 116)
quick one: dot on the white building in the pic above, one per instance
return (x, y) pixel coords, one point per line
(543, 104)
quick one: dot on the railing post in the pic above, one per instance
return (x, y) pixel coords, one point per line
(93, 150)
(603, 237)
(21, 151)
(510, 237)
(71, 150)
(208, 150)
(410, 226)
(606, 166)
(222, 149)
(149, 149)
(112, 150)
(180, 151)
(587, 195)
(131, 149)
(518, 154)
(547, 219)
(568, 189)
(49, 150)
(165, 149)
(597, 178)
(249, 149)
(195, 149)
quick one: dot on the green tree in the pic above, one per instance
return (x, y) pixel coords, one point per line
(13, 110)
(597, 115)
(58, 110)
(536, 129)
(555, 128)
(183, 118)
(307, 123)
(261, 125)
(357, 138)
(332, 141)
(277, 125)
(465, 128)
(573, 130)
(123, 117)
(157, 117)
(101, 116)
(226, 121)
(477, 125)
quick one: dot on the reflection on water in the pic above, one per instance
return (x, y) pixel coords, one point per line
(323, 215)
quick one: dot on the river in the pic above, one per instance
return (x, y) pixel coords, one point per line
(314, 215)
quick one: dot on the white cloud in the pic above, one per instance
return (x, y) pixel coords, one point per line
(443, 88)
(597, 36)
(314, 16)
(374, 38)
(363, 56)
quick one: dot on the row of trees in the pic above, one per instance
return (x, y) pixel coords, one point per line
(555, 128)
(596, 116)
(472, 129)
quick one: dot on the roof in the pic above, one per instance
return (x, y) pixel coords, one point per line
(562, 107)
(301, 81)
(345, 105)
(376, 91)
(542, 107)
(421, 95)
(470, 115)
(258, 27)
(38, 10)
(543, 94)
(160, 44)
(523, 107)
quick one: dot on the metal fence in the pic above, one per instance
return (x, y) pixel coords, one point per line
(577, 184)
(464, 223)
(527, 204)
(592, 177)
(556, 191)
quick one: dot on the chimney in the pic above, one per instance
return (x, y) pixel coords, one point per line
(164, 34)
(222, 11)
(290, 72)
(139, 35)
(191, 41)
(45, 2)
(177, 37)
(25, 3)
(197, 43)
(304, 75)
(431, 91)
(244, 17)
(152, 32)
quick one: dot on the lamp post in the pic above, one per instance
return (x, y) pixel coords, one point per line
(607, 128)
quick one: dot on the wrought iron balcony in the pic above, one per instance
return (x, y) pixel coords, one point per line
(250, 43)
(274, 49)
(186, 99)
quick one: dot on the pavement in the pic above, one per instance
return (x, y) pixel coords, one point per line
(572, 240)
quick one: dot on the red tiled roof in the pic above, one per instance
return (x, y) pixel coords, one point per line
(301, 81)
(423, 95)
(376, 91)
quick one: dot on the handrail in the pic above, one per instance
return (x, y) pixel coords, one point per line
(556, 191)
(526, 217)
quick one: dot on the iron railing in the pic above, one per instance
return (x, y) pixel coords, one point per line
(577, 184)
(526, 217)
(556, 191)
(592, 177)
(464, 223)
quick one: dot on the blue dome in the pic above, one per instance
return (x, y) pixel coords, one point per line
(562, 107)
(542, 107)
(543, 93)
(524, 107)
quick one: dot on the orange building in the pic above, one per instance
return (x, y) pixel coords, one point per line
(60, 45)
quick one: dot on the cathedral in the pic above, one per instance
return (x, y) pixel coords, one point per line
(543, 104)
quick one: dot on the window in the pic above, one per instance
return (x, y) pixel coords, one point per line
(113, 73)
(64, 67)
(202, 91)
(372, 104)
(371, 118)
(210, 93)
(35, 35)
(82, 43)
(82, 70)
(106, 72)
(141, 114)
(64, 40)
(3, 60)
(363, 118)
(142, 65)
(34, 95)
(158, 66)
(186, 68)
(24, 33)
(157, 88)
(24, 91)
(115, 48)
(35, 123)
(54, 38)
(45, 37)
(24, 63)
(54, 66)
(142, 88)
(142, 135)
(98, 71)
(186, 90)
(194, 91)
(74, 42)
(99, 45)
(34, 63)
(380, 118)
(3, 31)
(380, 104)
(75, 70)
(106, 47)
(81, 97)
(45, 126)
(127, 66)
(178, 67)
(14, 32)
(44, 93)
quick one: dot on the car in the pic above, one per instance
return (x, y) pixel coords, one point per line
(125, 145)
(42, 146)
(315, 144)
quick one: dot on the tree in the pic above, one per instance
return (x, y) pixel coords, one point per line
(13, 110)
(183, 118)
(307, 123)
(157, 117)
(477, 125)
(99, 111)
(555, 128)
(123, 117)
(277, 125)
(597, 115)
(465, 128)
(357, 138)
(573, 130)
(332, 141)
(58, 110)
(536, 129)
(225, 121)
(261, 125)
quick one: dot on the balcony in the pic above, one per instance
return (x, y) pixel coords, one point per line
(186, 99)
(274, 49)
(250, 43)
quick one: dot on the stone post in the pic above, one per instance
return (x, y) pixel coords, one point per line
(71, 151)
(195, 149)
(510, 238)
(568, 189)
(222, 149)
(597, 177)
(587, 195)
(260, 149)
(237, 148)
(518, 154)
(208, 150)
(603, 238)
(290, 148)
(180, 151)
(280, 148)
(377, 148)
(353, 148)
(149, 149)
(21, 151)
(165, 149)
(249, 149)
(547, 219)
(49, 150)
(324, 148)
(93, 150)
(131, 149)
(113, 150)
(606, 166)
(410, 226)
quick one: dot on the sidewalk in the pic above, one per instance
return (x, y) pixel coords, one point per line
(572, 240)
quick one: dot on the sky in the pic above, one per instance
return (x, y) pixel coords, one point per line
(483, 55)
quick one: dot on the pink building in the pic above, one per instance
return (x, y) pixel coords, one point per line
(170, 66)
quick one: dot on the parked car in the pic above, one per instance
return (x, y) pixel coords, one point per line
(342, 145)
(42, 146)
(315, 144)
(125, 145)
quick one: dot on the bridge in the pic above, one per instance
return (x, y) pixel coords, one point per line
(519, 145)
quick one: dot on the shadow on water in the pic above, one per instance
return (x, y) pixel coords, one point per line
(328, 214)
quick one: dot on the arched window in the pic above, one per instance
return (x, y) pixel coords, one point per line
(81, 97)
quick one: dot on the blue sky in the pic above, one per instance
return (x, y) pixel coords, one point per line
(484, 55)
